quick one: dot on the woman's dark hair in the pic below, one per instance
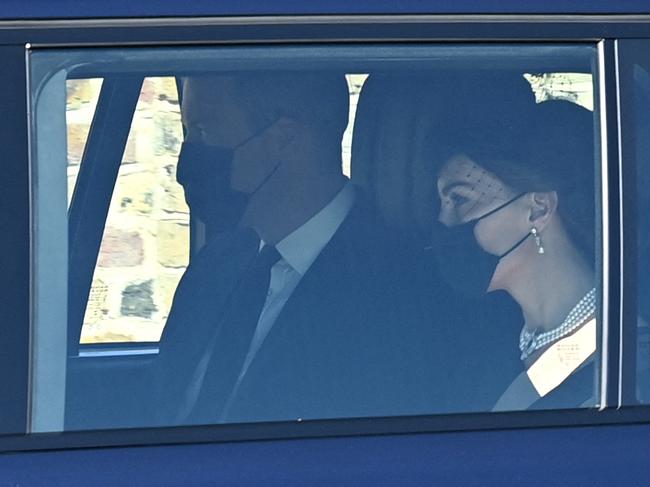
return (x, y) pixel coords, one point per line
(533, 148)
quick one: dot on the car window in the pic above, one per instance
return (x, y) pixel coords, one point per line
(319, 233)
(635, 96)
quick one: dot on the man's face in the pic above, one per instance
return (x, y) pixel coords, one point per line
(210, 113)
(213, 114)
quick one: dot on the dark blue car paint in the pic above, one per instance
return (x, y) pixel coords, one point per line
(69, 9)
(587, 455)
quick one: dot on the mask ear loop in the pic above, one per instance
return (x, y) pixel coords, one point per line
(476, 220)
(512, 249)
(273, 171)
(511, 200)
(519, 242)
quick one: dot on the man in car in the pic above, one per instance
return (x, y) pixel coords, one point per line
(294, 308)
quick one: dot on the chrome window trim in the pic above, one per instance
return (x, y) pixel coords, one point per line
(32, 245)
(621, 263)
(363, 19)
(611, 178)
(605, 222)
(321, 28)
(117, 352)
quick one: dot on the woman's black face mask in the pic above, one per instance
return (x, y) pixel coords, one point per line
(461, 260)
(204, 172)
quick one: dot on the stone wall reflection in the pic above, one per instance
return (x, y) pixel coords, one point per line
(145, 245)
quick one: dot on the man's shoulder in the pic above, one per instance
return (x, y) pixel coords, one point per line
(214, 268)
(365, 231)
(363, 222)
(231, 248)
(365, 249)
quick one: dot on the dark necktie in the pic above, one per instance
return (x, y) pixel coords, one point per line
(238, 326)
(250, 295)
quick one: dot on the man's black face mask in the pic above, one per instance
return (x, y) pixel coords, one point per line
(204, 172)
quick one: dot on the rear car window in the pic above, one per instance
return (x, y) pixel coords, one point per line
(281, 234)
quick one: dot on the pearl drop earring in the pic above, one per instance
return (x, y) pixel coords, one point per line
(538, 240)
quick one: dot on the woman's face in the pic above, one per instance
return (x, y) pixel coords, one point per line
(468, 192)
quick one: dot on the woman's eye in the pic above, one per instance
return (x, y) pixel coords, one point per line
(457, 199)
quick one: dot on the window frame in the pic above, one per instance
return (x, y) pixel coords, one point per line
(630, 52)
(598, 29)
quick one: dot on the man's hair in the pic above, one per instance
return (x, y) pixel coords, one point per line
(319, 100)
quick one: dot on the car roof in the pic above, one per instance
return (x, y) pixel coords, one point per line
(84, 9)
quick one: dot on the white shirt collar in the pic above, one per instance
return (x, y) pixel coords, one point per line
(301, 247)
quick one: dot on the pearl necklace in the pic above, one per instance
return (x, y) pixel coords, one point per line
(530, 341)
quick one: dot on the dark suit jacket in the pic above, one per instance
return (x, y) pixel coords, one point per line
(349, 342)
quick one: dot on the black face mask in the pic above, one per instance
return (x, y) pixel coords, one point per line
(204, 172)
(461, 260)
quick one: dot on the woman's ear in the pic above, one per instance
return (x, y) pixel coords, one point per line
(542, 208)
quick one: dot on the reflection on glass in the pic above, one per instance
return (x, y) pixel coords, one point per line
(81, 101)
(145, 245)
(575, 87)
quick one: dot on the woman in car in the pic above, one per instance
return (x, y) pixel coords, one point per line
(517, 200)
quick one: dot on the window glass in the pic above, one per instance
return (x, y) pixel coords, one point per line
(320, 233)
(635, 98)
(642, 99)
